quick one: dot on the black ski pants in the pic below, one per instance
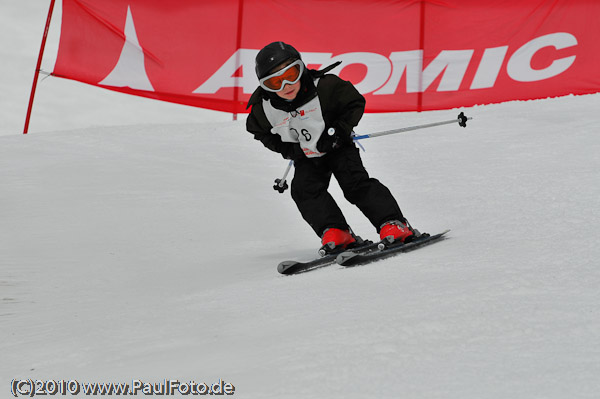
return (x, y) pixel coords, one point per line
(317, 206)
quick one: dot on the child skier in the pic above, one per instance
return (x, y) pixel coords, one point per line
(307, 116)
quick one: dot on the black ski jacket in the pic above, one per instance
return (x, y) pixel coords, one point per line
(342, 107)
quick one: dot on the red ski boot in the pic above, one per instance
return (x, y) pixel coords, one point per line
(335, 239)
(398, 230)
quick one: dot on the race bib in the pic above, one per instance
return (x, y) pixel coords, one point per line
(304, 125)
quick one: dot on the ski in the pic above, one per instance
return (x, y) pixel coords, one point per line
(349, 259)
(295, 267)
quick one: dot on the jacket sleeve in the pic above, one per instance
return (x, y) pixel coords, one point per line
(258, 125)
(343, 106)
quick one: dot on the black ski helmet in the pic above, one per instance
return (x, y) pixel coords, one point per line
(272, 55)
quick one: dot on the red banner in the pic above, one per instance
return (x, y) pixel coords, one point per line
(403, 55)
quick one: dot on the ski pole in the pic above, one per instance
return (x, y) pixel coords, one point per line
(461, 119)
(280, 184)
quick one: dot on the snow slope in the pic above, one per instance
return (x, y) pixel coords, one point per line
(150, 252)
(136, 247)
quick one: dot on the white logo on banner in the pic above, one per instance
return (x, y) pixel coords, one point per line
(243, 58)
(130, 70)
(383, 74)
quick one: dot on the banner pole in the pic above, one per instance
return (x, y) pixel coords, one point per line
(238, 45)
(422, 47)
(37, 68)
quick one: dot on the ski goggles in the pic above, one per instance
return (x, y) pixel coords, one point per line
(288, 75)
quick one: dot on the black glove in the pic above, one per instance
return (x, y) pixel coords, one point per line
(295, 154)
(332, 138)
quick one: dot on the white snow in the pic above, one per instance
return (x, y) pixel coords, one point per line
(136, 247)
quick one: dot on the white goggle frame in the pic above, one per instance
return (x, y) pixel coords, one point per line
(281, 72)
